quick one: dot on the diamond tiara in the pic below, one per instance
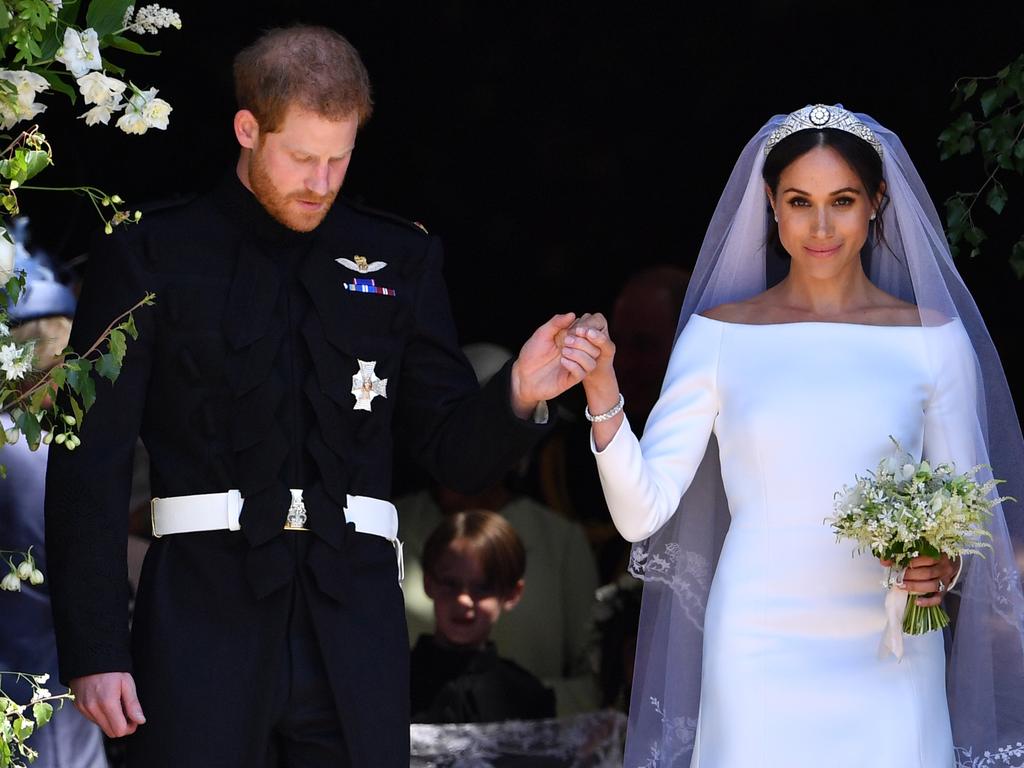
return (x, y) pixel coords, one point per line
(817, 116)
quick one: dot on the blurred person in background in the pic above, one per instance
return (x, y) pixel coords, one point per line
(27, 644)
(473, 566)
(560, 571)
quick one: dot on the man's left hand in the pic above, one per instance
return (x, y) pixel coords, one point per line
(546, 367)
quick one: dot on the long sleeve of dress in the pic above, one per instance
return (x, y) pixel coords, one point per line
(644, 480)
(950, 418)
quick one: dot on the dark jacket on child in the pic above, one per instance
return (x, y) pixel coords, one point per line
(459, 685)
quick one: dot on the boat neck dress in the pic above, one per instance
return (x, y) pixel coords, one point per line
(791, 673)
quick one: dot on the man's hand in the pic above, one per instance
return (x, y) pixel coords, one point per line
(109, 700)
(546, 367)
(924, 576)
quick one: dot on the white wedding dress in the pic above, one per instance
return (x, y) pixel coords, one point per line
(791, 674)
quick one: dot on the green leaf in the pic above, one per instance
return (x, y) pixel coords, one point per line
(993, 98)
(118, 345)
(109, 66)
(955, 212)
(1018, 150)
(58, 376)
(106, 16)
(975, 236)
(129, 327)
(42, 712)
(76, 409)
(5, 16)
(966, 145)
(29, 426)
(987, 139)
(57, 82)
(108, 367)
(123, 43)
(1017, 258)
(35, 161)
(88, 392)
(970, 88)
(996, 198)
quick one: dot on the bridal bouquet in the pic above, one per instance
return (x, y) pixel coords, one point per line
(906, 509)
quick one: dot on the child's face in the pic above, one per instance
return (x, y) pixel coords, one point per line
(465, 605)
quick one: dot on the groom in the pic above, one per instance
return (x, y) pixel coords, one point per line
(294, 340)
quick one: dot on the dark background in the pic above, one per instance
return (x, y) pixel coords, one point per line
(559, 147)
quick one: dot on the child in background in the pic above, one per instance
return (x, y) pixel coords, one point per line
(473, 566)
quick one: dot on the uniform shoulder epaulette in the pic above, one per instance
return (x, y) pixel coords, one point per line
(386, 215)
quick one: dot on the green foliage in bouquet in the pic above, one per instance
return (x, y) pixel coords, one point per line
(19, 721)
(906, 509)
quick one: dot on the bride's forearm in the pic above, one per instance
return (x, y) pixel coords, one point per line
(603, 396)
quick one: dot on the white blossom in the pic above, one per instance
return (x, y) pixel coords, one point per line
(36, 578)
(132, 122)
(80, 52)
(11, 582)
(15, 362)
(7, 251)
(151, 19)
(101, 113)
(23, 107)
(4, 330)
(55, 4)
(25, 570)
(97, 88)
(144, 111)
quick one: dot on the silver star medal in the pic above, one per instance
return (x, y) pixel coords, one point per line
(359, 264)
(366, 385)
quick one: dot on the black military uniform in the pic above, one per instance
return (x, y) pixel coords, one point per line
(242, 378)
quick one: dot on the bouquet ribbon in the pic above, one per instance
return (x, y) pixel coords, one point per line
(895, 608)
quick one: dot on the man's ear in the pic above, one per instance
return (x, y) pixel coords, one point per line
(511, 600)
(247, 129)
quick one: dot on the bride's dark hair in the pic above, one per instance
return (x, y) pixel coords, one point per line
(858, 154)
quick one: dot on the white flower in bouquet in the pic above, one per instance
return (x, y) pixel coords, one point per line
(80, 52)
(906, 509)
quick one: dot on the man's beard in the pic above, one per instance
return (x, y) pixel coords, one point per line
(277, 203)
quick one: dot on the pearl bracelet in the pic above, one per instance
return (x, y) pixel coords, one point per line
(609, 414)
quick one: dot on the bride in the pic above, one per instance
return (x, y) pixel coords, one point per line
(759, 637)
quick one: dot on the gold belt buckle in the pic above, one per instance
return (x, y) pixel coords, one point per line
(296, 520)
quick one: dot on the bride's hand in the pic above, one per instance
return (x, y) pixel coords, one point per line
(926, 575)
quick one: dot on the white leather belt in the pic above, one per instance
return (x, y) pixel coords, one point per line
(221, 511)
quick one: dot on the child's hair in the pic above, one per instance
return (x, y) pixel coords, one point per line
(492, 539)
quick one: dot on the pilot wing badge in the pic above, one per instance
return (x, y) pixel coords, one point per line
(361, 265)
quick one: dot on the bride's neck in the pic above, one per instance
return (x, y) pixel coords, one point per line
(830, 296)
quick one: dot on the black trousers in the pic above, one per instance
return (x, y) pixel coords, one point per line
(306, 731)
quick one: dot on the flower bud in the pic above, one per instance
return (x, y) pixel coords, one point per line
(138, 215)
(12, 435)
(59, 439)
(48, 438)
(36, 578)
(14, 184)
(75, 440)
(70, 446)
(24, 569)
(105, 202)
(69, 420)
(116, 199)
(11, 582)
(108, 229)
